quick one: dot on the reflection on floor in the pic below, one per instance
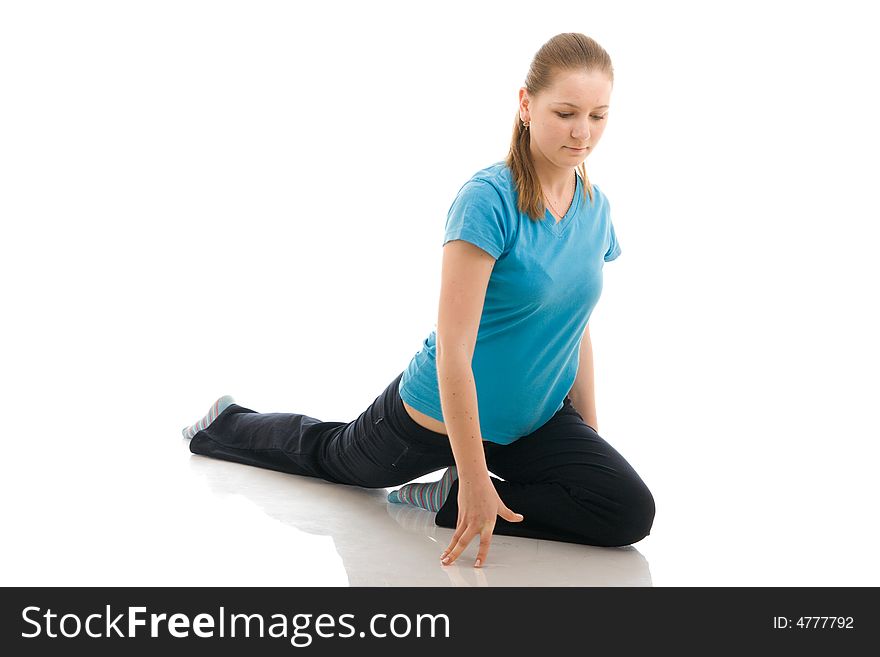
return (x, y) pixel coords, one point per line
(381, 544)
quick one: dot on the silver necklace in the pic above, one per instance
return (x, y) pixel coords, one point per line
(554, 207)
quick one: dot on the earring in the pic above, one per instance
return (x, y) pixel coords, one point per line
(526, 125)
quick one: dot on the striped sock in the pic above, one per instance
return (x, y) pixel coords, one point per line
(430, 496)
(216, 408)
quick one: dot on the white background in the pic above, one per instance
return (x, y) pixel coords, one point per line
(248, 198)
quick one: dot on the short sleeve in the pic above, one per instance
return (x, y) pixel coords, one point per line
(614, 248)
(477, 216)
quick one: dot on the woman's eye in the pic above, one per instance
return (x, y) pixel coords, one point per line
(565, 116)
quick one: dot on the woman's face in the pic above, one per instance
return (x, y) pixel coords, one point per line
(571, 114)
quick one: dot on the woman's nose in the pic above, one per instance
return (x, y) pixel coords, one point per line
(581, 134)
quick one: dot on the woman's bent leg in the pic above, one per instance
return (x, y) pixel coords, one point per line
(374, 451)
(569, 484)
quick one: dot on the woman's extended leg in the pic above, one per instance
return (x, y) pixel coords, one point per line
(374, 451)
(569, 484)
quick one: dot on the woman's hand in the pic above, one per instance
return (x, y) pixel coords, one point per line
(478, 508)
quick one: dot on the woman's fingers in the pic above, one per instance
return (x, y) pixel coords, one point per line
(485, 540)
(458, 548)
(457, 535)
(450, 555)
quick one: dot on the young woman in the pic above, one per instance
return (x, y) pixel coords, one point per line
(505, 383)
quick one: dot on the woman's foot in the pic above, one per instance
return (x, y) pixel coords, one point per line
(216, 408)
(429, 496)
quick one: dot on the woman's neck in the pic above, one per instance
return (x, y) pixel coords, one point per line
(556, 182)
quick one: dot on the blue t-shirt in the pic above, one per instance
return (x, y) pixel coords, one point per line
(546, 280)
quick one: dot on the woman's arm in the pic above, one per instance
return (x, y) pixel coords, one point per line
(582, 393)
(463, 283)
(458, 399)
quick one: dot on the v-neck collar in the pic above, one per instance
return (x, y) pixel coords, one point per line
(559, 227)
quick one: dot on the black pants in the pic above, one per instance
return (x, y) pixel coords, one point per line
(569, 484)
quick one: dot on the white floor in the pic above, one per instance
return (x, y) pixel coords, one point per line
(134, 510)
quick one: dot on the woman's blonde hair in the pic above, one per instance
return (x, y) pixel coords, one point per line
(564, 52)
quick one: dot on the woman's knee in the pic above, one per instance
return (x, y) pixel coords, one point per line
(636, 516)
(615, 519)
